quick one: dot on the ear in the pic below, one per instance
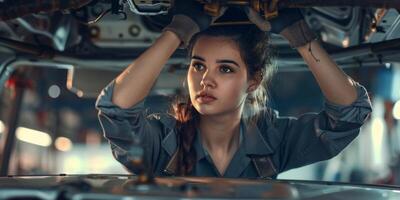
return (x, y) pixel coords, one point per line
(254, 83)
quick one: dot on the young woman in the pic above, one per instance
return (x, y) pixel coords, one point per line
(223, 129)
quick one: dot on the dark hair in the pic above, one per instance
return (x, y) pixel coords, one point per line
(256, 52)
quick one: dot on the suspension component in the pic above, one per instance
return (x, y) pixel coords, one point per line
(267, 8)
(150, 7)
(325, 3)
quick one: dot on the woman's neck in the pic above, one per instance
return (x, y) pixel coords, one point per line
(220, 132)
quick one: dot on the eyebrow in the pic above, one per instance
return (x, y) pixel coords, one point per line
(198, 58)
(228, 61)
(218, 61)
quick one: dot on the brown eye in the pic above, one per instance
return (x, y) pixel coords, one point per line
(225, 69)
(198, 66)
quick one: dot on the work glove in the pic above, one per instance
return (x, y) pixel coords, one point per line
(189, 19)
(289, 23)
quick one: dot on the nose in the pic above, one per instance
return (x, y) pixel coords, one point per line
(208, 80)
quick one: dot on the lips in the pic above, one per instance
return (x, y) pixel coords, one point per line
(204, 97)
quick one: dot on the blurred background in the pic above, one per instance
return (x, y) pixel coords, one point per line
(53, 64)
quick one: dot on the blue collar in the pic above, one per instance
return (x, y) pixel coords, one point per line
(251, 139)
(201, 152)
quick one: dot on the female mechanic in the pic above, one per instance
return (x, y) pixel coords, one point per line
(223, 129)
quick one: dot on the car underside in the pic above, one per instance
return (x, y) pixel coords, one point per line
(119, 30)
(94, 40)
(109, 34)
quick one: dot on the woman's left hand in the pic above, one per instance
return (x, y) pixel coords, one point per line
(289, 23)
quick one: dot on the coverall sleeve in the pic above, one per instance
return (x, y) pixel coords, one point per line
(314, 137)
(122, 126)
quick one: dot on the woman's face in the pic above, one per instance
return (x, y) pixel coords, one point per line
(217, 76)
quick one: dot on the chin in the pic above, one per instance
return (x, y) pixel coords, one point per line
(211, 110)
(206, 110)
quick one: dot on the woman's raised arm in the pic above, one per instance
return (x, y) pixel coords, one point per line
(135, 82)
(337, 87)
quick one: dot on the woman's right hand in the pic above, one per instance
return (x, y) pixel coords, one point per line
(189, 18)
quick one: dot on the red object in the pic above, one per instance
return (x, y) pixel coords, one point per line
(18, 81)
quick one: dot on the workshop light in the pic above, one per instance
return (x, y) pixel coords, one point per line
(94, 166)
(63, 144)
(377, 128)
(33, 136)
(73, 164)
(396, 110)
(2, 127)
